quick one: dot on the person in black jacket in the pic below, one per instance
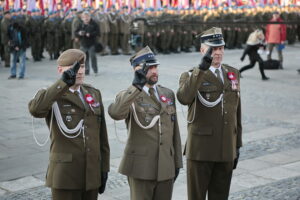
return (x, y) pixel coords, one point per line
(254, 42)
(18, 37)
(87, 32)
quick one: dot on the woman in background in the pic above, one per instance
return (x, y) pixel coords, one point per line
(254, 42)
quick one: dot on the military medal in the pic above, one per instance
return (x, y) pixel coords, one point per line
(163, 98)
(233, 80)
(68, 118)
(90, 100)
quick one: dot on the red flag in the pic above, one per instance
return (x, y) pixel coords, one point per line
(6, 4)
(41, 5)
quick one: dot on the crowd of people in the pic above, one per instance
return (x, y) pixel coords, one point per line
(165, 30)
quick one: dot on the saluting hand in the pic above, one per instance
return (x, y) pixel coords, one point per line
(140, 79)
(69, 76)
(206, 60)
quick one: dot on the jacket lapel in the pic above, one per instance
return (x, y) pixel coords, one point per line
(70, 96)
(210, 77)
(148, 99)
(227, 82)
(163, 104)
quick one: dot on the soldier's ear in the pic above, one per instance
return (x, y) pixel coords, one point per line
(59, 69)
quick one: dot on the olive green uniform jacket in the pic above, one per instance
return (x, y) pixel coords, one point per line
(214, 132)
(73, 163)
(148, 155)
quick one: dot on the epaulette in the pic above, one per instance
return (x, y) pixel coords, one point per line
(228, 66)
(89, 86)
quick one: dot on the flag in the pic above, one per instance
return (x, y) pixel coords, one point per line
(79, 5)
(41, 5)
(6, 4)
(16, 4)
(30, 5)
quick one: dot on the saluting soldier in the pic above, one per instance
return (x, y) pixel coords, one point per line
(152, 156)
(212, 93)
(74, 112)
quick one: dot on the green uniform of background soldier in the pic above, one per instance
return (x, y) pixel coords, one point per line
(212, 93)
(152, 156)
(78, 166)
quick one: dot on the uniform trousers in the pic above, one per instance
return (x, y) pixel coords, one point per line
(61, 194)
(150, 190)
(205, 177)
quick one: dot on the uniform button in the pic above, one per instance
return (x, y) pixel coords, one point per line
(225, 122)
(88, 149)
(225, 112)
(58, 87)
(224, 101)
(85, 126)
(87, 137)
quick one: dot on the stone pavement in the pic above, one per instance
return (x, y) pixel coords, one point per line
(269, 167)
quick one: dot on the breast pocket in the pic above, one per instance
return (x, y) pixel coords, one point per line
(209, 93)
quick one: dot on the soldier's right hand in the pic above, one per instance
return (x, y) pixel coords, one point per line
(69, 76)
(206, 60)
(140, 79)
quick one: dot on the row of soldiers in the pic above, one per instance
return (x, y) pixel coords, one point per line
(164, 30)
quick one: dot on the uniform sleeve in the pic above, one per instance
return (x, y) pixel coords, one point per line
(239, 126)
(177, 143)
(119, 109)
(41, 104)
(104, 145)
(188, 86)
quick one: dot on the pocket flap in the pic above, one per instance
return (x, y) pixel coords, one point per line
(136, 151)
(210, 88)
(203, 131)
(61, 157)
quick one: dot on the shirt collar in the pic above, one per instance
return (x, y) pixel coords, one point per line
(72, 90)
(146, 89)
(213, 69)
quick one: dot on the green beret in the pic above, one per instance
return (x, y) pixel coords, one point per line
(70, 56)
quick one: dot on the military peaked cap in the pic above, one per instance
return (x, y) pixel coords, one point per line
(145, 55)
(212, 37)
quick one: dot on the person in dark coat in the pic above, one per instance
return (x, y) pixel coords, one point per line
(87, 33)
(17, 36)
(254, 42)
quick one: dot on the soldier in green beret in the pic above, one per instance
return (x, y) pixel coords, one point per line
(212, 93)
(74, 112)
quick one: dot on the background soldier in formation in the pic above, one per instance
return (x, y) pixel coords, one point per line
(165, 30)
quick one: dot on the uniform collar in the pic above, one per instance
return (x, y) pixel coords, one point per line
(78, 90)
(146, 89)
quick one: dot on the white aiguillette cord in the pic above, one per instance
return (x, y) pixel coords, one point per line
(61, 125)
(151, 125)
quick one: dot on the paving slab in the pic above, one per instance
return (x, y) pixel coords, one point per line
(21, 184)
(276, 173)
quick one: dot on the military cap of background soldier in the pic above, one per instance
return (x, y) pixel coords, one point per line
(6, 12)
(145, 55)
(70, 56)
(212, 37)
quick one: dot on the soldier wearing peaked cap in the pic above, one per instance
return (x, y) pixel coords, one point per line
(212, 93)
(152, 156)
(79, 150)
